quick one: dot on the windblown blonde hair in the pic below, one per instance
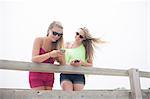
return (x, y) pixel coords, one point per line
(89, 43)
(59, 43)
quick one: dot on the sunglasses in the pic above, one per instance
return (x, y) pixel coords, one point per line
(56, 33)
(81, 37)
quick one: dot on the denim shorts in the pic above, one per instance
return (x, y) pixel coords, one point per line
(74, 78)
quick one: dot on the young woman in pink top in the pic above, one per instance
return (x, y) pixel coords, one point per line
(47, 50)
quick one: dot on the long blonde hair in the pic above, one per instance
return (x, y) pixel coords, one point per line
(59, 43)
(90, 43)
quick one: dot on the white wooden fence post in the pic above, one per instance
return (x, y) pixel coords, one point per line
(135, 84)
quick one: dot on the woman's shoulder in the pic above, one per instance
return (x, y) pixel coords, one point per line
(39, 40)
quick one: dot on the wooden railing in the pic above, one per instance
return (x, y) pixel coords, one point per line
(133, 74)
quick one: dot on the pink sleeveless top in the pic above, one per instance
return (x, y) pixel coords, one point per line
(49, 60)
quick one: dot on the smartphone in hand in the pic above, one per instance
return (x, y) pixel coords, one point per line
(76, 61)
(62, 50)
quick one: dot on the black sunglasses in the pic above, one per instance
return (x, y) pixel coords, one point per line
(56, 33)
(79, 35)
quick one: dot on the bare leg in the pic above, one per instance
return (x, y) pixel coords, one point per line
(39, 88)
(48, 88)
(67, 85)
(78, 87)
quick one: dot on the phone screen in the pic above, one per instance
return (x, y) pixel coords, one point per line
(76, 61)
(62, 50)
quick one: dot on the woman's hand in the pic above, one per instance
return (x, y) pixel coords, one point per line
(59, 56)
(56, 53)
(81, 63)
(76, 63)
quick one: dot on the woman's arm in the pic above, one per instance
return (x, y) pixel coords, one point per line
(81, 63)
(35, 51)
(40, 58)
(61, 59)
(89, 63)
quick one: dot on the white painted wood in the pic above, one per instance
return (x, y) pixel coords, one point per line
(144, 74)
(43, 67)
(135, 84)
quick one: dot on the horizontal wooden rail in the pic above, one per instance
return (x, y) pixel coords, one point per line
(43, 67)
(133, 74)
(144, 74)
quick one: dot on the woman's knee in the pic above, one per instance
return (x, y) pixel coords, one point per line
(78, 87)
(67, 85)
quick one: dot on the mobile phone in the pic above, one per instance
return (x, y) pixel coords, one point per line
(62, 50)
(76, 61)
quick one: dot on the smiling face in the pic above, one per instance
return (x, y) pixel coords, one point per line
(80, 35)
(55, 33)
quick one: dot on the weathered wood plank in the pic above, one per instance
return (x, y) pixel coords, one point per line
(29, 66)
(144, 74)
(135, 84)
(146, 94)
(43, 67)
(134, 75)
(59, 94)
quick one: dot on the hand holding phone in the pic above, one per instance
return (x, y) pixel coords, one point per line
(76, 61)
(62, 50)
